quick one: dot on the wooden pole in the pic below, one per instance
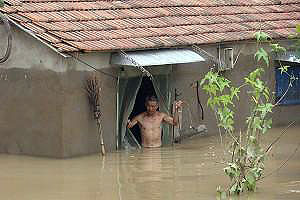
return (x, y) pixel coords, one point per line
(101, 137)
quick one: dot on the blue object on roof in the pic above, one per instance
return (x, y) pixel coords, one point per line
(156, 57)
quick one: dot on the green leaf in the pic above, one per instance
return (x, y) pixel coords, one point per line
(206, 88)
(203, 80)
(265, 109)
(225, 99)
(250, 178)
(242, 151)
(229, 172)
(233, 189)
(284, 69)
(1, 3)
(222, 83)
(232, 170)
(266, 93)
(267, 125)
(209, 101)
(298, 28)
(251, 181)
(243, 186)
(257, 171)
(251, 153)
(252, 140)
(235, 92)
(210, 89)
(261, 36)
(277, 48)
(226, 118)
(248, 119)
(259, 86)
(256, 73)
(213, 77)
(247, 80)
(262, 54)
(256, 123)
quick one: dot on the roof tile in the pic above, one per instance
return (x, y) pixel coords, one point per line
(50, 38)
(32, 27)
(88, 25)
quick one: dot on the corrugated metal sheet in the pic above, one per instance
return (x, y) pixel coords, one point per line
(289, 56)
(156, 57)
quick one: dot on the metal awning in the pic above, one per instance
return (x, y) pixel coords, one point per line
(156, 57)
(289, 56)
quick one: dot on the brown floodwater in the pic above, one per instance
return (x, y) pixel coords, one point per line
(186, 171)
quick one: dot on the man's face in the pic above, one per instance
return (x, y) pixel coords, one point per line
(151, 107)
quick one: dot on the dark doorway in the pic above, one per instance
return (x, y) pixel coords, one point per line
(145, 90)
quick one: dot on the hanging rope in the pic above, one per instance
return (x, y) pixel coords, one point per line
(136, 64)
(92, 67)
(9, 38)
(198, 100)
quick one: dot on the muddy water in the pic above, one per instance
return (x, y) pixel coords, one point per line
(189, 170)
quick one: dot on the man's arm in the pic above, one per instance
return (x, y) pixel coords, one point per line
(173, 120)
(133, 122)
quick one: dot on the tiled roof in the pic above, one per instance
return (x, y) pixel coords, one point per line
(99, 25)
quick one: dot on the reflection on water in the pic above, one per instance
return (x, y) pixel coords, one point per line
(189, 170)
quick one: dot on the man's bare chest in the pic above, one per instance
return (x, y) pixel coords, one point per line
(151, 121)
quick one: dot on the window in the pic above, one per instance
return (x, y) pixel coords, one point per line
(292, 96)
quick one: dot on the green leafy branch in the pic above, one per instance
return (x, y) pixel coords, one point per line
(247, 156)
(215, 86)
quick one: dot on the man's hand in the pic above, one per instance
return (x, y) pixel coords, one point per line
(178, 105)
(131, 123)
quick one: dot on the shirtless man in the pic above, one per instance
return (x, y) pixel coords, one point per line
(151, 120)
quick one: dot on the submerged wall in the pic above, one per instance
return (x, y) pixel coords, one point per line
(44, 110)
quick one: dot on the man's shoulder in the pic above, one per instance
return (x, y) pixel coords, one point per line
(162, 114)
(141, 115)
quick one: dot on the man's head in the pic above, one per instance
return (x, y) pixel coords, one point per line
(151, 104)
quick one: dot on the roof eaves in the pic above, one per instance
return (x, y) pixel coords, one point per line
(37, 38)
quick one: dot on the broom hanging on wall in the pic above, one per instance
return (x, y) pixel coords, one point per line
(93, 89)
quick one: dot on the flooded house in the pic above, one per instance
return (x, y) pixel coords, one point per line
(136, 48)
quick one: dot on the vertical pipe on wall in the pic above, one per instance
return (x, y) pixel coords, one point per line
(171, 86)
(117, 111)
